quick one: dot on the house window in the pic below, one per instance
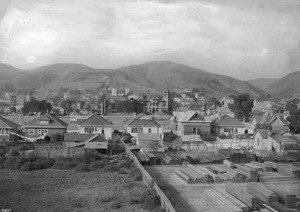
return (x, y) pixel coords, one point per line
(149, 130)
(136, 130)
(95, 129)
(31, 131)
(176, 127)
(225, 129)
(102, 131)
(42, 131)
(257, 141)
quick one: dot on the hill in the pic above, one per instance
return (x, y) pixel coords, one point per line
(156, 75)
(287, 86)
(262, 83)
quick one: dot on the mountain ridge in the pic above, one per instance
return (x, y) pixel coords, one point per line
(153, 75)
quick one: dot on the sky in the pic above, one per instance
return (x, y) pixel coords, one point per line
(244, 39)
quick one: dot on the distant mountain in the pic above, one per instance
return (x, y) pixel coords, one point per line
(288, 86)
(156, 75)
(262, 83)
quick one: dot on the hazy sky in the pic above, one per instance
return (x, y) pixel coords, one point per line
(245, 39)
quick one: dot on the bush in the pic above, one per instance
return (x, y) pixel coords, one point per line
(78, 159)
(64, 165)
(45, 163)
(64, 159)
(122, 171)
(111, 168)
(10, 163)
(138, 177)
(82, 168)
(20, 162)
(125, 164)
(99, 164)
(88, 157)
(14, 153)
(152, 201)
(30, 166)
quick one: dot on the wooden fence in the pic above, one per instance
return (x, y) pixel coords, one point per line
(149, 182)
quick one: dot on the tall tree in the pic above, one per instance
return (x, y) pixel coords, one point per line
(242, 106)
(294, 120)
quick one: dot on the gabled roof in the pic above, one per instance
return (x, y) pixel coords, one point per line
(191, 116)
(53, 122)
(140, 116)
(224, 110)
(71, 137)
(284, 139)
(95, 120)
(5, 123)
(264, 133)
(143, 123)
(227, 121)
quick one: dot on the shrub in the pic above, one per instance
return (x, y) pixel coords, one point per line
(70, 165)
(82, 168)
(152, 201)
(111, 168)
(122, 171)
(30, 166)
(14, 153)
(64, 159)
(125, 164)
(89, 157)
(98, 164)
(10, 163)
(20, 161)
(45, 163)
(138, 177)
(133, 172)
(78, 159)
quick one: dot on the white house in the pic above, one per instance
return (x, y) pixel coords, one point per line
(96, 124)
(266, 143)
(142, 124)
(190, 125)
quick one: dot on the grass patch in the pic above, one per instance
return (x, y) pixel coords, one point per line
(116, 205)
(107, 198)
(10, 162)
(20, 162)
(125, 164)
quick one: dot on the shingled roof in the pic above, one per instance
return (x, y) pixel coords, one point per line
(5, 123)
(95, 120)
(53, 122)
(227, 121)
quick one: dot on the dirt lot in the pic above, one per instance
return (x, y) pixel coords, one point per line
(67, 190)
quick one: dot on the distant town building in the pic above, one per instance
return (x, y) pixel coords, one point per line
(114, 92)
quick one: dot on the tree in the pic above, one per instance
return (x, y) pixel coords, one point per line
(290, 106)
(36, 106)
(294, 120)
(195, 90)
(214, 101)
(67, 105)
(242, 106)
